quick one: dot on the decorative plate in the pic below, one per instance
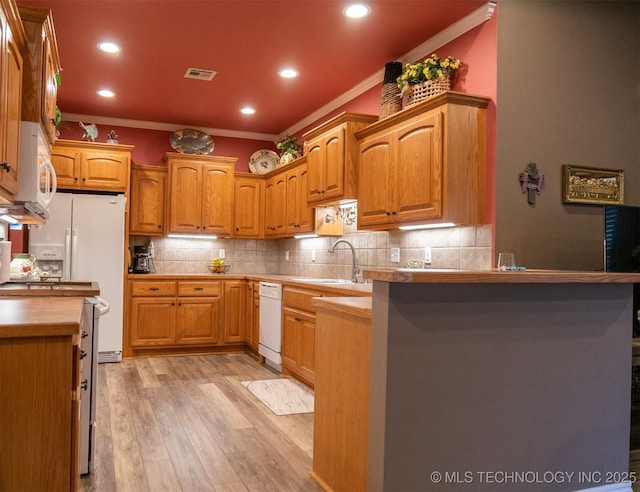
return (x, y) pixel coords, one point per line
(263, 161)
(190, 141)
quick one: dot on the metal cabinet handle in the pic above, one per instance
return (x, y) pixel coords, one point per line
(84, 334)
(153, 288)
(5, 166)
(84, 385)
(198, 288)
(83, 354)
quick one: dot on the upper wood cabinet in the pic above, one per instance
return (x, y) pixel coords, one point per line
(147, 200)
(275, 205)
(286, 210)
(41, 65)
(201, 194)
(12, 42)
(91, 166)
(425, 164)
(332, 156)
(248, 206)
(299, 216)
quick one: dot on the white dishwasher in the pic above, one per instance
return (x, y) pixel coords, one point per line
(271, 324)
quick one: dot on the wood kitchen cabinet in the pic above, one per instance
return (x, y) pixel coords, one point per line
(275, 205)
(252, 324)
(425, 164)
(286, 210)
(298, 333)
(235, 299)
(41, 65)
(248, 206)
(40, 393)
(91, 166)
(201, 194)
(299, 216)
(12, 42)
(147, 200)
(170, 313)
(332, 158)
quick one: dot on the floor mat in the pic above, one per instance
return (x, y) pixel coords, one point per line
(282, 396)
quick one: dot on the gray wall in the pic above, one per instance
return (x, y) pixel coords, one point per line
(568, 93)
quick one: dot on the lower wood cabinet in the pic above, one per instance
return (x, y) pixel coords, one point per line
(252, 324)
(299, 333)
(166, 313)
(186, 313)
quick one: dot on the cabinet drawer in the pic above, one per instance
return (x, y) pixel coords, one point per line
(146, 288)
(199, 288)
(300, 299)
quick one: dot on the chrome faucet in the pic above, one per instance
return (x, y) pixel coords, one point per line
(355, 270)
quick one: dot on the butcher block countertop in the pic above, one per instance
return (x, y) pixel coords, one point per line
(405, 275)
(40, 316)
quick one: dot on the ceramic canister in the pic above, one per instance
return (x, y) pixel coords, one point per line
(5, 261)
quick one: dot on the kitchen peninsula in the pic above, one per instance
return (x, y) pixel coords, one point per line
(480, 375)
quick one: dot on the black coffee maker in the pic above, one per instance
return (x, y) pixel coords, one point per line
(141, 259)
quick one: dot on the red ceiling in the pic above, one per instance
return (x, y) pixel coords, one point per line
(245, 41)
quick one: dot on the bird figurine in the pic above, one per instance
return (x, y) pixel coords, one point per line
(90, 131)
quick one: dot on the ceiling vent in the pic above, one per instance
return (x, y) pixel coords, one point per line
(199, 73)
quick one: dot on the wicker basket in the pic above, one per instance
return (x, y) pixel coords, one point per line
(424, 90)
(390, 101)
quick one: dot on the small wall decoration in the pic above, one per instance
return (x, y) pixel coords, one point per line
(591, 185)
(531, 182)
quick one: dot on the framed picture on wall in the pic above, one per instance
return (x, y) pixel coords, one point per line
(592, 185)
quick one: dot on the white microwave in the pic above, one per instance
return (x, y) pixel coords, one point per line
(37, 182)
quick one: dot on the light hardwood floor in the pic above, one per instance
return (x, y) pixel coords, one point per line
(187, 424)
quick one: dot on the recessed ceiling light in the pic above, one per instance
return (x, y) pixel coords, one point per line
(106, 93)
(109, 47)
(288, 73)
(247, 110)
(356, 10)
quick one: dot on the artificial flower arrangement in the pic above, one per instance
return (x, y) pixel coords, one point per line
(432, 68)
(290, 148)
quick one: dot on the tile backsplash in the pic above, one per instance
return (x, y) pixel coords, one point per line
(462, 248)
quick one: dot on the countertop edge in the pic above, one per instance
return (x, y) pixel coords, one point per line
(399, 275)
(356, 306)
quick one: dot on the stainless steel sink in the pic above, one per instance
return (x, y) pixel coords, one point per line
(322, 280)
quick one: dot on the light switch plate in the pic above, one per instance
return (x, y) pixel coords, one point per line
(395, 255)
(221, 253)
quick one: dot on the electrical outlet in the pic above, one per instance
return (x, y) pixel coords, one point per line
(395, 255)
(221, 253)
(286, 256)
(313, 255)
(427, 255)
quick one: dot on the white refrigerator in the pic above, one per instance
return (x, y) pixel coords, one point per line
(84, 240)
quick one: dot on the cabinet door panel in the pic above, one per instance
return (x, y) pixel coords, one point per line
(198, 320)
(104, 171)
(67, 165)
(334, 164)
(217, 196)
(315, 171)
(276, 206)
(235, 294)
(152, 321)
(12, 107)
(376, 181)
(185, 198)
(248, 209)
(290, 338)
(148, 191)
(307, 361)
(419, 170)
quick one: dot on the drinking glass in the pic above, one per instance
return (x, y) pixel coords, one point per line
(506, 260)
